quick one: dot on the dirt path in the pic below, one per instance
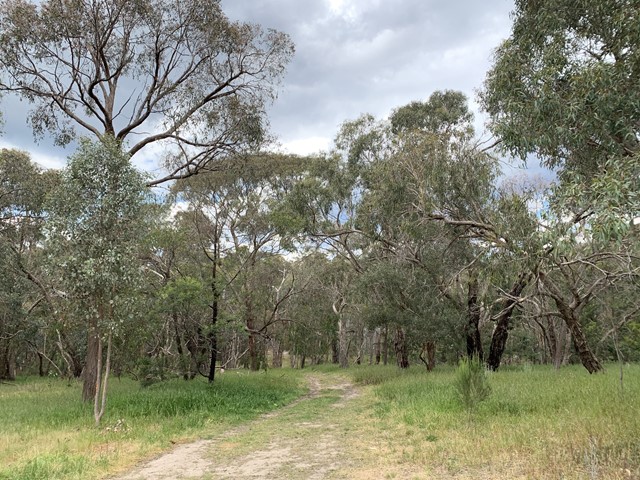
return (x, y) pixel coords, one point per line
(304, 440)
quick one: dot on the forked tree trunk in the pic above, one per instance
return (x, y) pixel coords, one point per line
(503, 321)
(570, 317)
(102, 382)
(428, 355)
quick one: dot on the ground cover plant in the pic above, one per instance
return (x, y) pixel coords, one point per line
(47, 433)
(537, 423)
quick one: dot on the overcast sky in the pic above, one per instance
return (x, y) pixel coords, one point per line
(370, 56)
(352, 57)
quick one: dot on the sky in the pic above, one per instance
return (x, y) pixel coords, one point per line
(352, 57)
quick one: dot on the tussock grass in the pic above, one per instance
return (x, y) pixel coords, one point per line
(537, 423)
(47, 433)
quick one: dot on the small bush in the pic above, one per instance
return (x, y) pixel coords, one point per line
(471, 383)
(150, 371)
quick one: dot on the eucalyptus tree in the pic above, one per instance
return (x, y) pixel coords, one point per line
(143, 72)
(564, 87)
(97, 218)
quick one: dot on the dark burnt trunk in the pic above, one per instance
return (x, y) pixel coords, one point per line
(213, 334)
(474, 342)
(503, 321)
(213, 341)
(7, 363)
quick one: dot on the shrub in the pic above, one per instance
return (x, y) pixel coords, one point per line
(471, 382)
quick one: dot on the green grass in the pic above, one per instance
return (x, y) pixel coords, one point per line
(47, 433)
(537, 423)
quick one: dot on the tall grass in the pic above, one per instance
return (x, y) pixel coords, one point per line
(537, 423)
(47, 433)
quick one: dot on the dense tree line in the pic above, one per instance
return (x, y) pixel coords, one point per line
(402, 243)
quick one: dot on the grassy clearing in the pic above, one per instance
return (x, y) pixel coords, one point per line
(537, 423)
(47, 433)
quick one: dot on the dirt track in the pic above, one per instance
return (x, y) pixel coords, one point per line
(303, 440)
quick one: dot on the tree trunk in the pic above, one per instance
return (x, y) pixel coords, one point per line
(335, 356)
(569, 315)
(343, 341)
(7, 363)
(428, 355)
(92, 361)
(431, 356)
(100, 400)
(474, 342)
(213, 346)
(213, 334)
(377, 344)
(385, 345)
(503, 321)
(362, 347)
(400, 344)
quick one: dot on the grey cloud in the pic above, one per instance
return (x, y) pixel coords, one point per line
(383, 55)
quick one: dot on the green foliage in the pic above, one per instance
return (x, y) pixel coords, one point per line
(183, 294)
(471, 383)
(445, 112)
(96, 225)
(564, 85)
